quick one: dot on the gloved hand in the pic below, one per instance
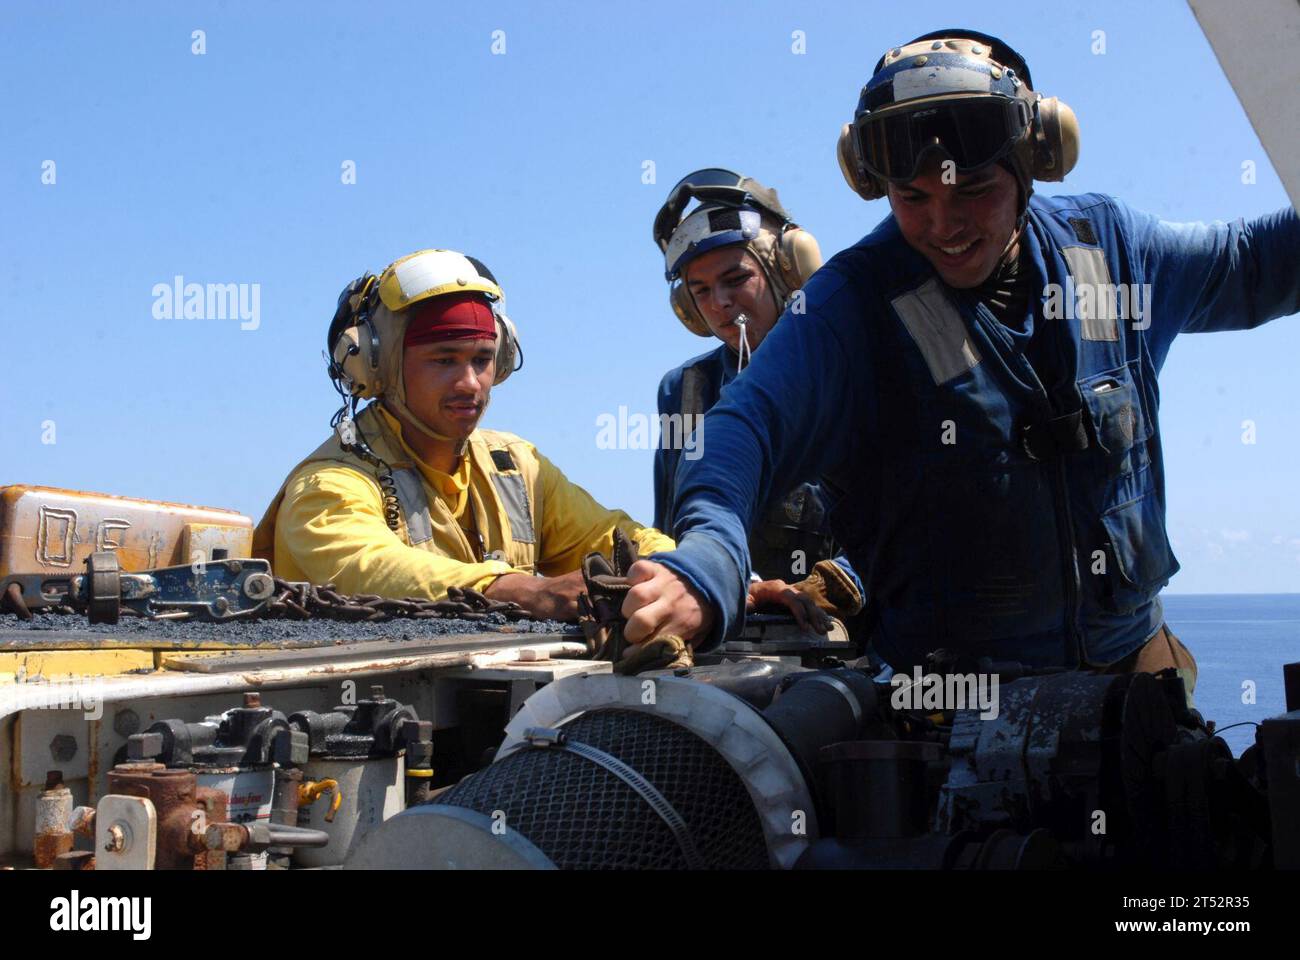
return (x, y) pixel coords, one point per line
(831, 589)
(602, 617)
(802, 605)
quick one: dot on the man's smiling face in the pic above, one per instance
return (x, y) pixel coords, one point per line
(960, 227)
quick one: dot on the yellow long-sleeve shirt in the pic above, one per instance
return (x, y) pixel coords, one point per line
(329, 524)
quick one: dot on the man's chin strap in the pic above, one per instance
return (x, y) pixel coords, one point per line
(408, 417)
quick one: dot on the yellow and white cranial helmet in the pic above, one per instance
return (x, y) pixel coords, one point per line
(366, 337)
(431, 273)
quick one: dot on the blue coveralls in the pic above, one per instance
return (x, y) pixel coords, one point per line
(916, 400)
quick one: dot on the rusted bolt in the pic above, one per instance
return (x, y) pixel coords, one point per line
(116, 842)
(234, 566)
(83, 821)
(252, 700)
(53, 779)
(229, 837)
(63, 747)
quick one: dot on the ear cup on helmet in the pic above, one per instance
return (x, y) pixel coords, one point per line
(799, 257)
(508, 349)
(687, 312)
(355, 354)
(855, 173)
(1056, 140)
(353, 341)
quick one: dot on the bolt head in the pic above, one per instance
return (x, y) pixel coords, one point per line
(63, 748)
(126, 722)
(413, 731)
(142, 746)
(116, 841)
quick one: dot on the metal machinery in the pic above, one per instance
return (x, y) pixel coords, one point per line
(754, 763)
(180, 725)
(744, 762)
(491, 743)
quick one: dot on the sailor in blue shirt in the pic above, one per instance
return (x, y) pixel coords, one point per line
(979, 376)
(733, 263)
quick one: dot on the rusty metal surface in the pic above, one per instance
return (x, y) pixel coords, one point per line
(185, 811)
(52, 530)
(48, 846)
(53, 833)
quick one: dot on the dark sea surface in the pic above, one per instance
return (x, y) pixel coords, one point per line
(1237, 638)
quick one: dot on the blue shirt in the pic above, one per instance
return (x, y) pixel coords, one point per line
(799, 518)
(914, 400)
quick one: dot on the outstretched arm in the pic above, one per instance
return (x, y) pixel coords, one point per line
(784, 420)
(1207, 277)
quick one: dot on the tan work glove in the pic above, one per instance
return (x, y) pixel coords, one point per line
(831, 589)
(602, 617)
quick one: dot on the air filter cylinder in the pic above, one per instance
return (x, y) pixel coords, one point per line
(604, 771)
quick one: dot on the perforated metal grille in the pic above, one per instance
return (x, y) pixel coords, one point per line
(585, 818)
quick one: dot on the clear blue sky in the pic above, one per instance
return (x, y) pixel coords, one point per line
(226, 168)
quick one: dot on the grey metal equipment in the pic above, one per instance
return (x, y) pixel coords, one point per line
(751, 765)
(650, 770)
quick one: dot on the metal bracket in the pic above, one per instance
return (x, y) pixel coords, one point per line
(214, 591)
(126, 833)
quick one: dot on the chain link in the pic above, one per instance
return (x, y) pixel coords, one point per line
(302, 601)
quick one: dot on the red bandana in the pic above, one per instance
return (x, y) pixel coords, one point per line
(452, 316)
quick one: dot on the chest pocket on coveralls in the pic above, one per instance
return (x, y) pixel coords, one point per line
(1139, 560)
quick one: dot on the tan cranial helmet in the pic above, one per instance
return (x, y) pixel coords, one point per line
(733, 209)
(963, 93)
(369, 326)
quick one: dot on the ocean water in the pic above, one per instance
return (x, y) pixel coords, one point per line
(1237, 640)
